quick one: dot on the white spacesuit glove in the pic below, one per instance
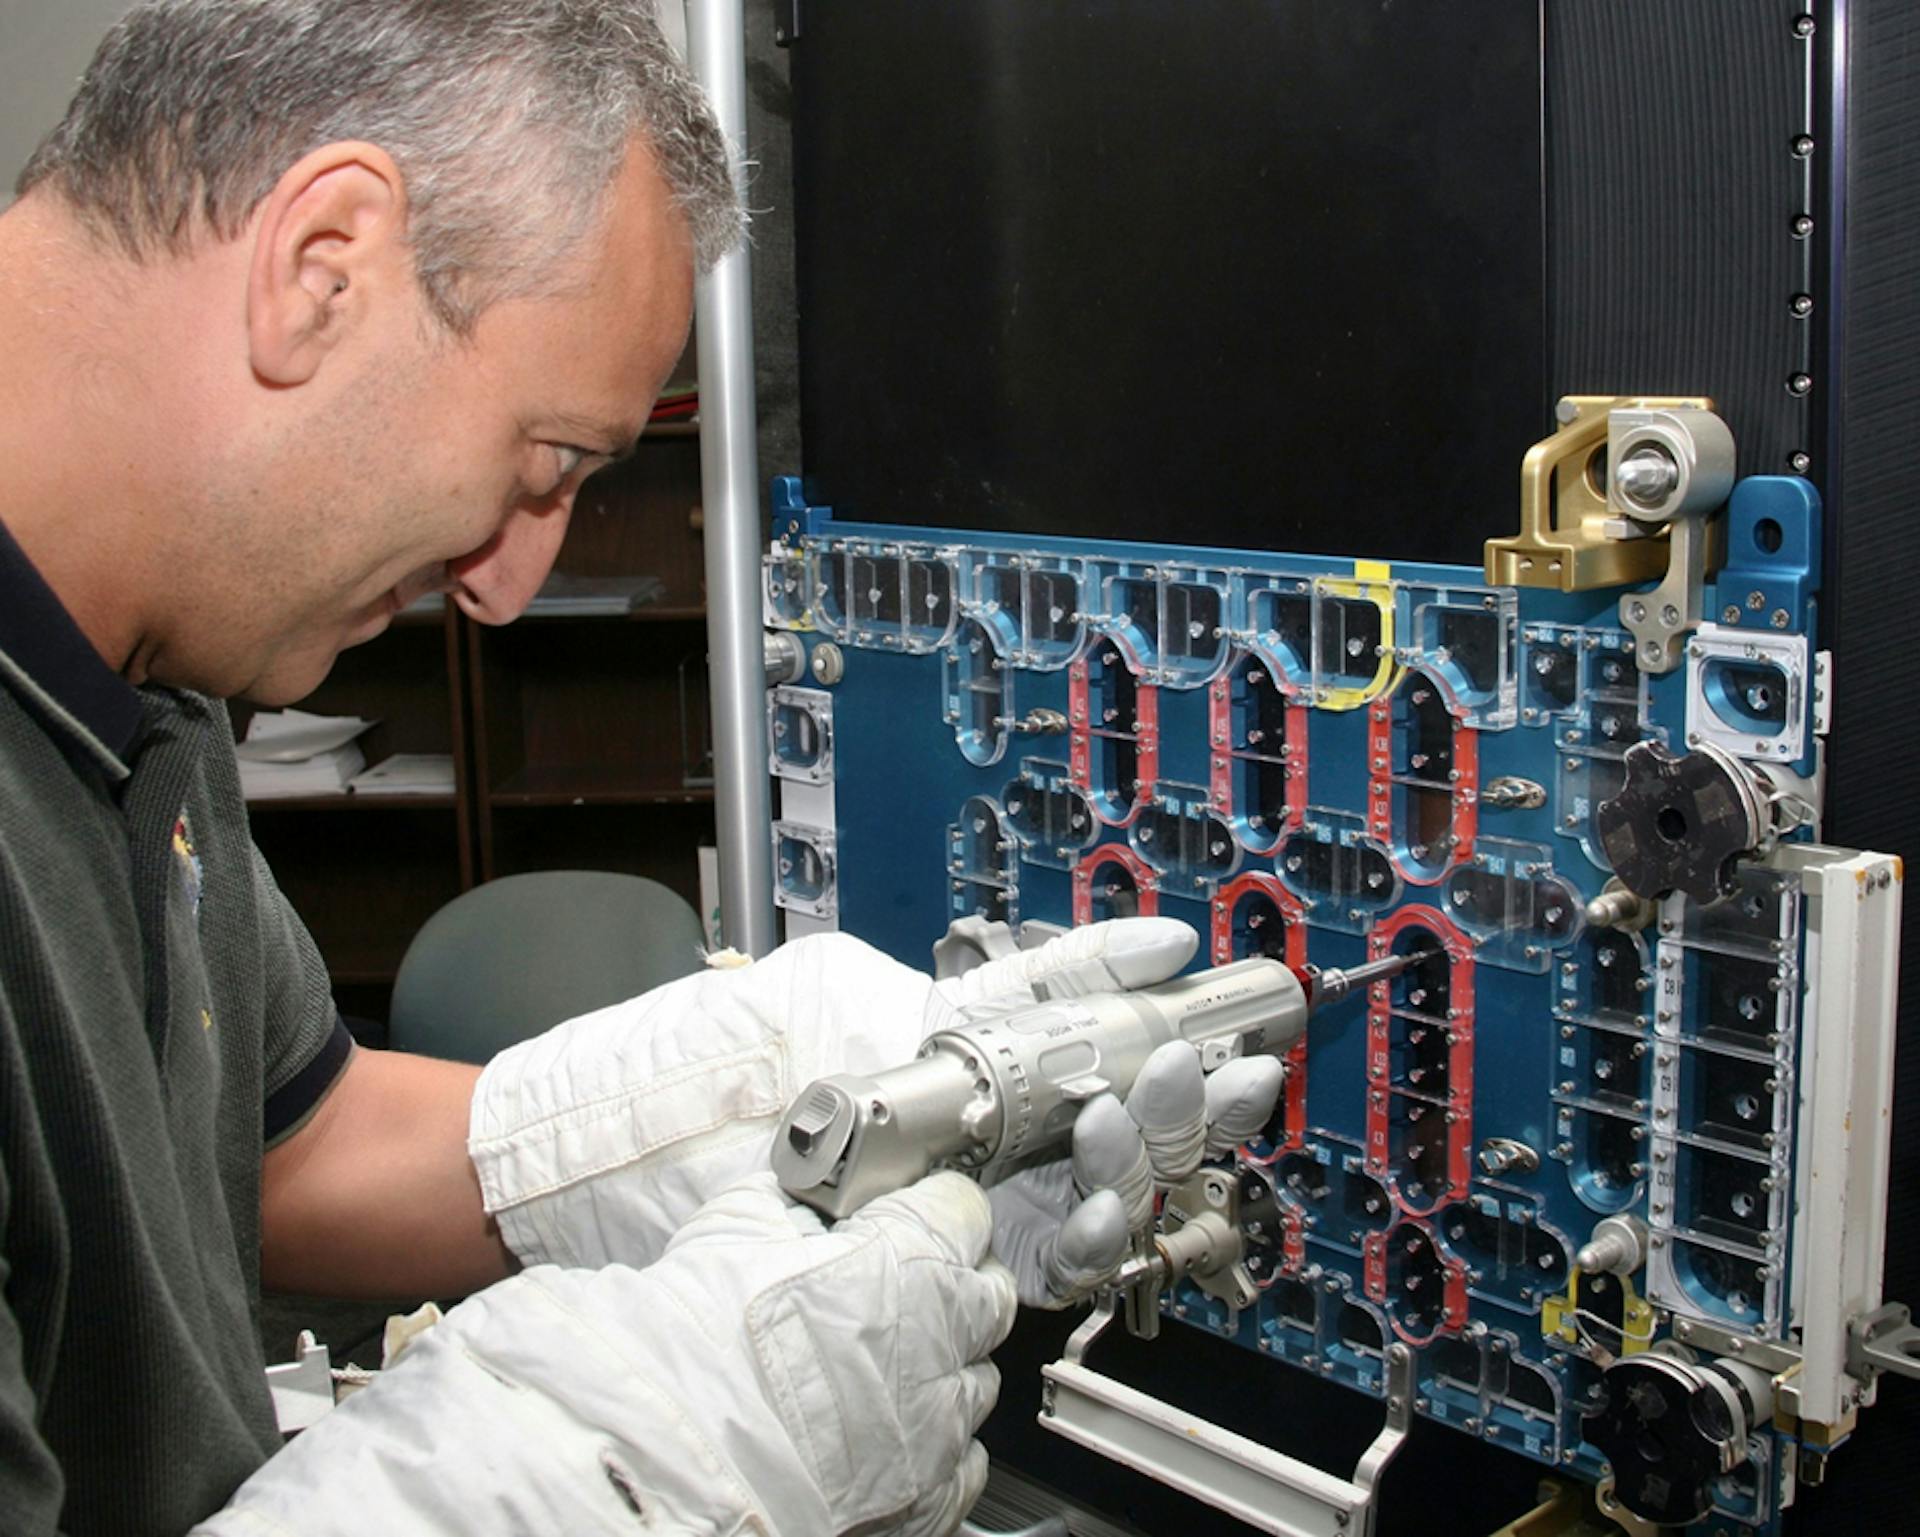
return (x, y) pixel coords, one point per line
(595, 1141)
(1063, 1228)
(768, 1376)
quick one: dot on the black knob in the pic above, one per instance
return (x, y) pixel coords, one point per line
(1670, 1429)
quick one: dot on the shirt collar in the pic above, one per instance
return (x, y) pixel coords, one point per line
(44, 654)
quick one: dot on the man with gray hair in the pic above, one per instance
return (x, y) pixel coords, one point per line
(310, 307)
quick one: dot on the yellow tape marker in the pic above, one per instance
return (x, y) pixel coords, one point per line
(1373, 582)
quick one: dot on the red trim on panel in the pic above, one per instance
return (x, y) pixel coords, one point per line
(1373, 1257)
(1293, 913)
(1293, 1241)
(1292, 756)
(1079, 745)
(1295, 753)
(1456, 1291)
(1380, 776)
(1144, 880)
(1464, 822)
(1146, 742)
(1219, 734)
(1143, 731)
(1466, 793)
(1380, 1089)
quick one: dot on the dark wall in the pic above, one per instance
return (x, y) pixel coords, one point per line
(1225, 272)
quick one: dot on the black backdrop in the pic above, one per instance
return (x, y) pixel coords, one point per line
(1308, 275)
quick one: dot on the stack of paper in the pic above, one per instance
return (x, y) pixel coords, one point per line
(407, 773)
(289, 752)
(566, 594)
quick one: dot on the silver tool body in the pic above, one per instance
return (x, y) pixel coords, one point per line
(995, 1090)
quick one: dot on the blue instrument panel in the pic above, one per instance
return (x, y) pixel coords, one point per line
(1327, 761)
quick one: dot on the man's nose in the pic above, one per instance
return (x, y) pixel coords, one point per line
(497, 581)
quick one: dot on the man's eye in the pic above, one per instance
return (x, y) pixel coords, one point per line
(569, 459)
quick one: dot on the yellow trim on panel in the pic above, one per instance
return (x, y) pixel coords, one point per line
(1560, 1316)
(1372, 583)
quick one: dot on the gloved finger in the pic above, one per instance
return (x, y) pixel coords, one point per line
(1110, 1154)
(950, 1317)
(1168, 1102)
(970, 1478)
(753, 1210)
(1024, 1223)
(988, 1301)
(1084, 1252)
(938, 1512)
(1241, 1095)
(1045, 1188)
(972, 1311)
(1115, 955)
(944, 1216)
(979, 1392)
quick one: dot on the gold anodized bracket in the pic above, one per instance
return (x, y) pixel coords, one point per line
(1569, 537)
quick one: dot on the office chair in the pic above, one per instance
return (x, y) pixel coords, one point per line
(506, 960)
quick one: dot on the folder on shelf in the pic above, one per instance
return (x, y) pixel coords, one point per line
(407, 773)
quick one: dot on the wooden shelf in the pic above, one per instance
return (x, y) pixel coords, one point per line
(660, 432)
(591, 784)
(350, 802)
(347, 972)
(647, 613)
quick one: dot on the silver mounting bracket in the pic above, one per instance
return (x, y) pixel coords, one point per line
(1659, 620)
(1885, 1340)
(1264, 1488)
(1668, 468)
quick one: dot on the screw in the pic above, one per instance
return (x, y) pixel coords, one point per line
(1803, 26)
(1802, 225)
(1780, 619)
(1799, 384)
(1799, 462)
(1801, 304)
(1802, 146)
(1731, 614)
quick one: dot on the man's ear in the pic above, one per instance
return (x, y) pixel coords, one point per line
(327, 241)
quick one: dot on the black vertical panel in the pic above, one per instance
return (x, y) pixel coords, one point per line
(1250, 272)
(1672, 188)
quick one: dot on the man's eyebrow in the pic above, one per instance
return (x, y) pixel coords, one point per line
(617, 440)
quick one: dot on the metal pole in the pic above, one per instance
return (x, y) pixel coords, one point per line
(730, 496)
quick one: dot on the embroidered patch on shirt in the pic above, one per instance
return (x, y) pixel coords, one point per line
(192, 876)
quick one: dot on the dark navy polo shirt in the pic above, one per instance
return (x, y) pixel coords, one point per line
(164, 1015)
